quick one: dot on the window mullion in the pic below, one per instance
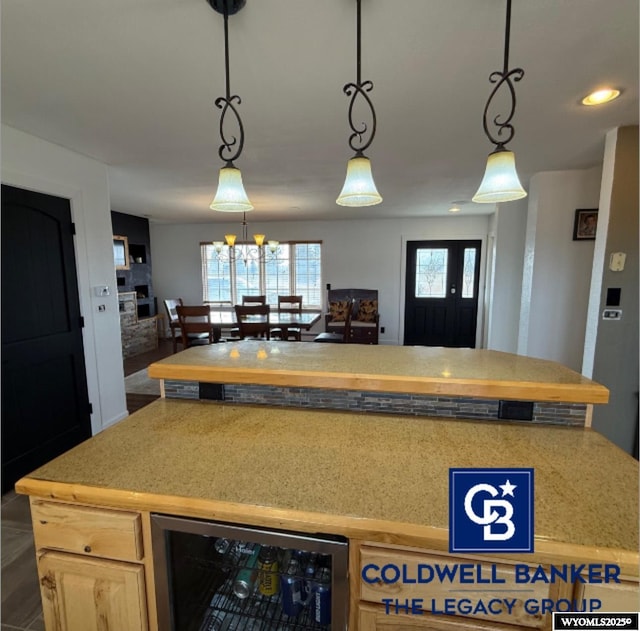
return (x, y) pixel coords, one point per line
(292, 269)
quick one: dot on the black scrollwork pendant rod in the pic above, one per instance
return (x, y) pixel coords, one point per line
(228, 150)
(505, 131)
(361, 88)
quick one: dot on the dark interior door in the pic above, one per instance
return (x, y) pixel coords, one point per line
(45, 406)
(441, 297)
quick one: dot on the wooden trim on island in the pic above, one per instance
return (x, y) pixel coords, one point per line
(483, 388)
(371, 530)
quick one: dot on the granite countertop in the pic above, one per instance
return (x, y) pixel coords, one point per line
(374, 477)
(408, 369)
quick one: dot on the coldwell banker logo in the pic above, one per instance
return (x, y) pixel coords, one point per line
(490, 510)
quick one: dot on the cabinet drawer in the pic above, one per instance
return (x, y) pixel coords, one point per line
(435, 592)
(623, 596)
(374, 618)
(94, 531)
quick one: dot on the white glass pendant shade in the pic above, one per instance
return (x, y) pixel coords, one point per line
(359, 188)
(500, 182)
(230, 196)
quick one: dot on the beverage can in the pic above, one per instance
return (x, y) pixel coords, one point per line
(268, 571)
(221, 545)
(291, 589)
(245, 578)
(322, 596)
(309, 573)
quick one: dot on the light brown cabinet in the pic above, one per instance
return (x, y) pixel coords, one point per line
(374, 618)
(370, 614)
(90, 567)
(86, 594)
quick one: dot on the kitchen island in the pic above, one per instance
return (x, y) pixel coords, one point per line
(379, 480)
(416, 380)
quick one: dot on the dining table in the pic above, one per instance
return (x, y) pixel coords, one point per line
(276, 319)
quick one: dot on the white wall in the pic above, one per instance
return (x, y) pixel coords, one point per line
(613, 356)
(361, 253)
(508, 232)
(31, 163)
(557, 270)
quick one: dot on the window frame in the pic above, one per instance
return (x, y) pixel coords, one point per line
(234, 297)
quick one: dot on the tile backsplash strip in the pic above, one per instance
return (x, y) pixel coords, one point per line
(556, 413)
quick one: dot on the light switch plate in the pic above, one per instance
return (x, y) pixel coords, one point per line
(101, 291)
(612, 314)
(616, 261)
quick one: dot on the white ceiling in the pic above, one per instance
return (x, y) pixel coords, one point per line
(132, 83)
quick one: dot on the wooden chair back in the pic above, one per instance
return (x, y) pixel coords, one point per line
(254, 300)
(195, 324)
(170, 305)
(253, 328)
(343, 336)
(290, 304)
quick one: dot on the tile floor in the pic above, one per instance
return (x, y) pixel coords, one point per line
(21, 608)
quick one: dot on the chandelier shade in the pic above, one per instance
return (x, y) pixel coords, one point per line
(244, 250)
(231, 196)
(500, 182)
(359, 188)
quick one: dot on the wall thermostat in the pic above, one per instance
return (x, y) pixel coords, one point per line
(616, 261)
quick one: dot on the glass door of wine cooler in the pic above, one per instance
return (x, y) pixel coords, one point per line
(211, 576)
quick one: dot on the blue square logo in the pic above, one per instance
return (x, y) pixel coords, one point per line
(490, 510)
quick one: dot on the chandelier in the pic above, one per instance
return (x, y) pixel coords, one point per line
(501, 182)
(248, 252)
(230, 196)
(359, 188)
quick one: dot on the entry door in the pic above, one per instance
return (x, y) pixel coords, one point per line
(441, 297)
(45, 406)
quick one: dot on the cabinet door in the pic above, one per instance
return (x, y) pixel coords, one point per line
(623, 596)
(86, 594)
(373, 618)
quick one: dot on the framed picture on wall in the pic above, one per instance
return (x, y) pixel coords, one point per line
(585, 224)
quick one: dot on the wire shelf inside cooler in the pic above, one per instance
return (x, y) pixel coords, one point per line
(211, 604)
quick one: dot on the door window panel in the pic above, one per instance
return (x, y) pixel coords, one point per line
(468, 273)
(431, 273)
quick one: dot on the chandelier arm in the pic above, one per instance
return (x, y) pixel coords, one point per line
(228, 143)
(353, 90)
(505, 131)
(507, 38)
(226, 104)
(502, 121)
(361, 88)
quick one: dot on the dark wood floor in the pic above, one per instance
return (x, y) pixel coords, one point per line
(140, 362)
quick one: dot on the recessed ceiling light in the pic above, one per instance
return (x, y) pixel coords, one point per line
(454, 209)
(601, 96)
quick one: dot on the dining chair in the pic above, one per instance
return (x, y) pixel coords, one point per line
(338, 338)
(257, 327)
(248, 300)
(289, 304)
(254, 300)
(195, 325)
(170, 306)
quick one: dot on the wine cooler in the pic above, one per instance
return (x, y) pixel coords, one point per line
(211, 576)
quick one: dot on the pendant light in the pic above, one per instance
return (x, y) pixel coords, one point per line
(501, 182)
(230, 196)
(359, 188)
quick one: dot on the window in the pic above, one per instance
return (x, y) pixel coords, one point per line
(294, 269)
(431, 272)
